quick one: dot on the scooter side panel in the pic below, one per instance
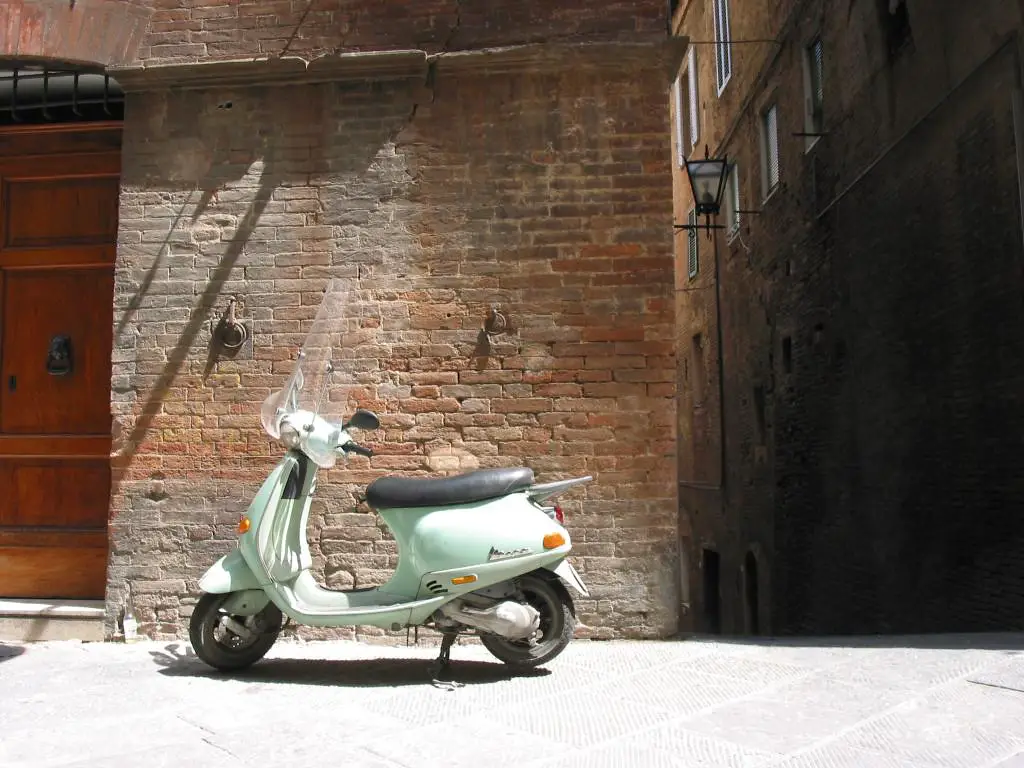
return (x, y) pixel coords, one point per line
(508, 530)
(229, 574)
(486, 574)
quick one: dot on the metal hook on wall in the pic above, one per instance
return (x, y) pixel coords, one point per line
(233, 333)
(496, 322)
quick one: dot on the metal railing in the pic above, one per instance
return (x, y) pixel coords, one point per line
(32, 93)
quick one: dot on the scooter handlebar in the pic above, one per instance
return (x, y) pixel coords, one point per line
(357, 449)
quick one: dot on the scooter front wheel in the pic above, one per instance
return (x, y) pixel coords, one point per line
(557, 624)
(229, 642)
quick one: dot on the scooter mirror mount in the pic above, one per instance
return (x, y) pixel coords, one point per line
(362, 419)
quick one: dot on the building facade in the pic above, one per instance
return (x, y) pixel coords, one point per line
(490, 154)
(849, 341)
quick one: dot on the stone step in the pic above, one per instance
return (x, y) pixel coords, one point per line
(29, 621)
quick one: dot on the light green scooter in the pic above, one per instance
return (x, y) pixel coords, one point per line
(480, 552)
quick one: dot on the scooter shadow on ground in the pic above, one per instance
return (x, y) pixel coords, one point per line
(179, 660)
(8, 652)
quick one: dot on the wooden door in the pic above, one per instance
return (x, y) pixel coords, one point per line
(58, 230)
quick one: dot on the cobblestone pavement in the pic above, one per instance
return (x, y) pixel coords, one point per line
(897, 703)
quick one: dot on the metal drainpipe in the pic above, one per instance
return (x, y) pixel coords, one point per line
(721, 374)
(1018, 136)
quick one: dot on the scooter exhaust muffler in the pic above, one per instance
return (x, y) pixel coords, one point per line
(508, 618)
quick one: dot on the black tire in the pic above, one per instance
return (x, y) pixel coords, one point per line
(231, 651)
(557, 624)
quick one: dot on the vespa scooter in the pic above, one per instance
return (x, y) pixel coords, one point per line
(482, 552)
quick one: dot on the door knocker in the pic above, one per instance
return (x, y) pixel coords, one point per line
(59, 361)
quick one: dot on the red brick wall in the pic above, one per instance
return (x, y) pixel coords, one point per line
(549, 194)
(212, 29)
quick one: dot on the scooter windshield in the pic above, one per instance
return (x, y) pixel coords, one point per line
(335, 363)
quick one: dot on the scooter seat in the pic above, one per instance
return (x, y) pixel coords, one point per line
(393, 492)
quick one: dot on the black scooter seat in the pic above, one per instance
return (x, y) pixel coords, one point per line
(483, 484)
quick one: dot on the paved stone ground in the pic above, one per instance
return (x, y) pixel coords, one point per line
(898, 703)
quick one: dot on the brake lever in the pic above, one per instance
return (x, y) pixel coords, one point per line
(359, 450)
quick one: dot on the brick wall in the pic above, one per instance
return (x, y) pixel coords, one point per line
(897, 470)
(876, 484)
(548, 194)
(204, 30)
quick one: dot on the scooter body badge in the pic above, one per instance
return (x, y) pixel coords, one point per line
(499, 554)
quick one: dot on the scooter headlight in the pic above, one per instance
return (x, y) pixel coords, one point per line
(290, 434)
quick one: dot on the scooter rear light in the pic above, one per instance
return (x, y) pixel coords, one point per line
(559, 515)
(244, 525)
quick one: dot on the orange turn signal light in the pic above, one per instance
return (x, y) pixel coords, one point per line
(243, 524)
(553, 540)
(464, 579)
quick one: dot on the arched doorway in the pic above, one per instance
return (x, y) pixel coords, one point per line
(60, 162)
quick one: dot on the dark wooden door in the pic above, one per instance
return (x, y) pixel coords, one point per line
(58, 231)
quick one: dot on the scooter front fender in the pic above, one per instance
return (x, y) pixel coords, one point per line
(229, 574)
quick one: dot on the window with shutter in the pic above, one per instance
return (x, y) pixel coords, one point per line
(814, 93)
(770, 149)
(691, 71)
(817, 92)
(682, 145)
(817, 65)
(687, 125)
(723, 48)
(692, 264)
(732, 201)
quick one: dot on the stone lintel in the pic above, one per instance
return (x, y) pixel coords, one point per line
(404, 64)
(599, 57)
(285, 70)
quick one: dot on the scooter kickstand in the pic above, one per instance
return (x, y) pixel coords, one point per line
(442, 665)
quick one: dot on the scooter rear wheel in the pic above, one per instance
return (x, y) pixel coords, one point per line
(224, 649)
(557, 624)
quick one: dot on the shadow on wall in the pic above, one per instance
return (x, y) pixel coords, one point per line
(220, 174)
(167, 163)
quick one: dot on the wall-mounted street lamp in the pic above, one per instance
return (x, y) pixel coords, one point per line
(707, 181)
